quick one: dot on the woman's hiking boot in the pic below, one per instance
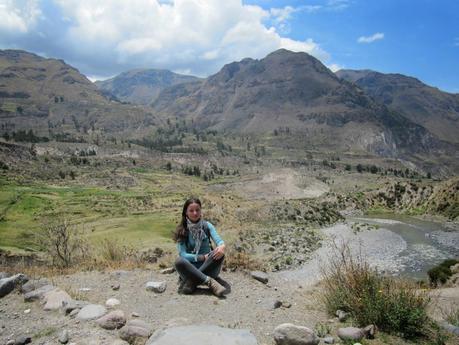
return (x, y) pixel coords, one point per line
(217, 289)
(186, 288)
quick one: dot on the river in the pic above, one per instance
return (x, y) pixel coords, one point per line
(393, 244)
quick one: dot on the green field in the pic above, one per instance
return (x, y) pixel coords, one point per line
(141, 216)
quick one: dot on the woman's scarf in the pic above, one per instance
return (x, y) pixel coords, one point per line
(197, 233)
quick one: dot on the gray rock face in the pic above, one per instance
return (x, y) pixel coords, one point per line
(55, 299)
(91, 312)
(37, 294)
(260, 276)
(64, 337)
(290, 334)
(113, 320)
(158, 287)
(351, 333)
(4, 275)
(23, 339)
(9, 284)
(34, 284)
(135, 329)
(202, 335)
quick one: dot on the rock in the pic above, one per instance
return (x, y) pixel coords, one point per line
(112, 302)
(112, 320)
(290, 334)
(286, 304)
(134, 314)
(34, 284)
(202, 335)
(64, 337)
(74, 312)
(351, 333)
(135, 329)
(277, 304)
(115, 286)
(169, 270)
(27, 311)
(370, 331)
(10, 283)
(55, 299)
(342, 315)
(38, 293)
(454, 268)
(23, 339)
(69, 306)
(91, 312)
(449, 327)
(4, 275)
(260, 276)
(329, 340)
(158, 287)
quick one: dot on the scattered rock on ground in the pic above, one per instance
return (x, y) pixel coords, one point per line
(168, 270)
(38, 293)
(10, 283)
(112, 302)
(55, 299)
(158, 287)
(91, 312)
(290, 334)
(260, 276)
(112, 320)
(64, 337)
(351, 333)
(329, 340)
(202, 335)
(135, 329)
(34, 284)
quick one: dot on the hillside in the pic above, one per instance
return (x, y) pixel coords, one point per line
(427, 106)
(294, 91)
(54, 100)
(142, 86)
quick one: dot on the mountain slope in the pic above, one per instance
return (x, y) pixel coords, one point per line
(294, 90)
(425, 105)
(51, 97)
(142, 86)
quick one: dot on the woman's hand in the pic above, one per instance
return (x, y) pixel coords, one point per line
(218, 252)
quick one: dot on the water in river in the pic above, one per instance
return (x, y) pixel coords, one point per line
(426, 243)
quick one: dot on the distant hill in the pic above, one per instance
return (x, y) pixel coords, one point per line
(53, 98)
(294, 90)
(427, 106)
(142, 86)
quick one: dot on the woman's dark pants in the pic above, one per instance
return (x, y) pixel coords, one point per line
(198, 274)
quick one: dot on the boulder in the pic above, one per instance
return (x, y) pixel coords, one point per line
(135, 329)
(34, 284)
(112, 320)
(91, 312)
(10, 283)
(158, 287)
(37, 294)
(202, 335)
(55, 299)
(351, 333)
(260, 276)
(290, 334)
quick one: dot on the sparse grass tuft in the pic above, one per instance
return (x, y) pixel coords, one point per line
(394, 306)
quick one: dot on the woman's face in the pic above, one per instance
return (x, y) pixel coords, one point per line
(193, 212)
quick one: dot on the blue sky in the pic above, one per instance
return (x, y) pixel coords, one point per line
(419, 38)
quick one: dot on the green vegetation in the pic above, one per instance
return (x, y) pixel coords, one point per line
(441, 273)
(392, 305)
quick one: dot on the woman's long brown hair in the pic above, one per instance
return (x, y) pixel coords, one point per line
(181, 232)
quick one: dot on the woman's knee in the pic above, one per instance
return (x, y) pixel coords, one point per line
(180, 262)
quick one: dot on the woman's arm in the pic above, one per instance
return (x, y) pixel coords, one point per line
(181, 246)
(218, 252)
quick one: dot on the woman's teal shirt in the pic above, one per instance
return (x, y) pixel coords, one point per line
(205, 245)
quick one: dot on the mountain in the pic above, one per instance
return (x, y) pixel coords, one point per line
(54, 98)
(142, 86)
(294, 90)
(427, 106)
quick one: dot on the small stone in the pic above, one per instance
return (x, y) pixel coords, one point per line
(286, 304)
(329, 340)
(27, 311)
(168, 270)
(134, 314)
(277, 304)
(351, 333)
(74, 312)
(260, 276)
(115, 286)
(112, 302)
(370, 331)
(290, 334)
(158, 287)
(112, 320)
(23, 339)
(64, 337)
(342, 315)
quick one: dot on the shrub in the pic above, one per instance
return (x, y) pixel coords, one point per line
(441, 273)
(392, 305)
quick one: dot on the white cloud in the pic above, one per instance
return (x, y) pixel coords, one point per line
(18, 16)
(334, 67)
(369, 39)
(106, 37)
(338, 5)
